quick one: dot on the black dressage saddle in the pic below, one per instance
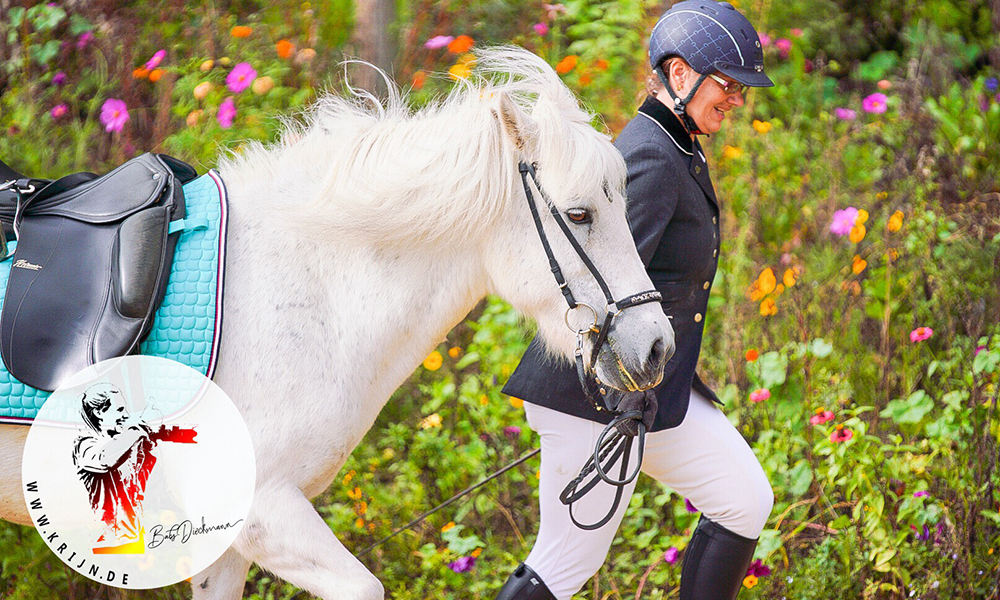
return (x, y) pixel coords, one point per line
(91, 263)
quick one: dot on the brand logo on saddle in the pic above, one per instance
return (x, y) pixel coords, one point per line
(139, 472)
(23, 264)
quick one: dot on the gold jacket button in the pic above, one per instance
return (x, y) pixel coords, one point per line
(715, 252)
(697, 318)
(715, 220)
(705, 287)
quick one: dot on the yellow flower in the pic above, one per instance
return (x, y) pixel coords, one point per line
(484, 399)
(767, 308)
(201, 90)
(206, 66)
(478, 551)
(360, 523)
(882, 195)
(459, 71)
(450, 525)
(749, 581)
(862, 217)
(767, 281)
(433, 361)
(350, 475)
(354, 494)
(454, 351)
(858, 264)
(362, 508)
(516, 402)
(262, 85)
(895, 221)
(778, 289)
(761, 126)
(789, 278)
(430, 421)
(731, 152)
(858, 232)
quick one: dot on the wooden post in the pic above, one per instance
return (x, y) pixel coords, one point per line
(374, 43)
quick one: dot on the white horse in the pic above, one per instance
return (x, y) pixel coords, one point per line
(355, 244)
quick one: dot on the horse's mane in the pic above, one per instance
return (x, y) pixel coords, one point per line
(372, 170)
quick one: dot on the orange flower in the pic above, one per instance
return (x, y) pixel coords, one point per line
(752, 355)
(359, 523)
(893, 254)
(459, 71)
(419, 79)
(895, 221)
(858, 265)
(767, 281)
(749, 581)
(788, 278)
(767, 308)
(140, 73)
(454, 351)
(586, 79)
(601, 65)
(567, 64)
(433, 361)
(516, 402)
(462, 43)
(858, 232)
(450, 525)
(240, 31)
(478, 551)
(285, 49)
(354, 494)
(731, 152)
(484, 400)
(155, 75)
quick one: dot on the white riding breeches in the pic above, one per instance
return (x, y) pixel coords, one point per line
(704, 459)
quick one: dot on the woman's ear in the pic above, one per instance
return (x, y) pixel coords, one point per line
(518, 126)
(677, 71)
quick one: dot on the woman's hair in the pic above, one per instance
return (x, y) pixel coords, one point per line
(96, 399)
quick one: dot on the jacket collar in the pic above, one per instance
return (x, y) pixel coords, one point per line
(658, 112)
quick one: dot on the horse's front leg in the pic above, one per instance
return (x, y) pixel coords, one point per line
(223, 580)
(285, 535)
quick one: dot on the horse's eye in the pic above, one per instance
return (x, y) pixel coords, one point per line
(580, 216)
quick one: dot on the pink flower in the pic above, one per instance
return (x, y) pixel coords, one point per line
(541, 28)
(462, 564)
(553, 10)
(920, 334)
(227, 112)
(843, 221)
(841, 435)
(758, 569)
(240, 77)
(512, 432)
(884, 84)
(59, 78)
(84, 39)
(978, 350)
(59, 110)
(845, 114)
(114, 114)
(821, 417)
(765, 40)
(156, 60)
(689, 507)
(438, 41)
(921, 494)
(875, 103)
(670, 556)
(797, 32)
(784, 45)
(760, 395)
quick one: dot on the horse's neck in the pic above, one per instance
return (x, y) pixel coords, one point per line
(362, 318)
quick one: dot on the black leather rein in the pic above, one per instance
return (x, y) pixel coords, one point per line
(616, 445)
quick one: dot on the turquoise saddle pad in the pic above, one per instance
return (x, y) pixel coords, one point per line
(188, 323)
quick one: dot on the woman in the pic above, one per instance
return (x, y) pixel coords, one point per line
(704, 54)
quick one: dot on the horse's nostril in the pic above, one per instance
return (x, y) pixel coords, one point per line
(658, 354)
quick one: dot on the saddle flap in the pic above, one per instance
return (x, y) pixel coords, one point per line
(130, 187)
(141, 244)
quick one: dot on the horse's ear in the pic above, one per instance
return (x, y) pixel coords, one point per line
(518, 126)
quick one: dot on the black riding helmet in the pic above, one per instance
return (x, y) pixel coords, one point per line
(711, 36)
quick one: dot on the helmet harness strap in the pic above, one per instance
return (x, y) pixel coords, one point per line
(680, 104)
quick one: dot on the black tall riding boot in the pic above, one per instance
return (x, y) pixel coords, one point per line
(525, 584)
(715, 563)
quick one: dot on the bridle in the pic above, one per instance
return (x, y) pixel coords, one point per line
(609, 447)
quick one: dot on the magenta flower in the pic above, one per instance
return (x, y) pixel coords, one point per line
(670, 556)
(463, 564)
(154, 62)
(760, 395)
(541, 28)
(920, 334)
(875, 103)
(438, 41)
(114, 114)
(819, 418)
(512, 432)
(978, 350)
(765, 40)
(784, 45)
(690, 507)
(758, 569)
(240, 77)
(843, 221)
(840, 434)
(227, 112)
(797, 32)
(845, 114)
(921, 494)
(85, 38)
(59, 110)
(59, 78)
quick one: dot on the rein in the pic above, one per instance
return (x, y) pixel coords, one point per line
(612, 444)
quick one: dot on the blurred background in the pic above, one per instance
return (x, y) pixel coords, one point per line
(853, 327)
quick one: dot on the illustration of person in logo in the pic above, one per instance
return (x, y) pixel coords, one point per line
(114, 459)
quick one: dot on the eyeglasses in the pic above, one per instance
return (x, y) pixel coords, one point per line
(730, 87)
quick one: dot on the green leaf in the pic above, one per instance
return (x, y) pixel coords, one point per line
(800, 478)
(467, 360)
(840, 522)
(773, 369)
(821, 348)
(911, 410)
